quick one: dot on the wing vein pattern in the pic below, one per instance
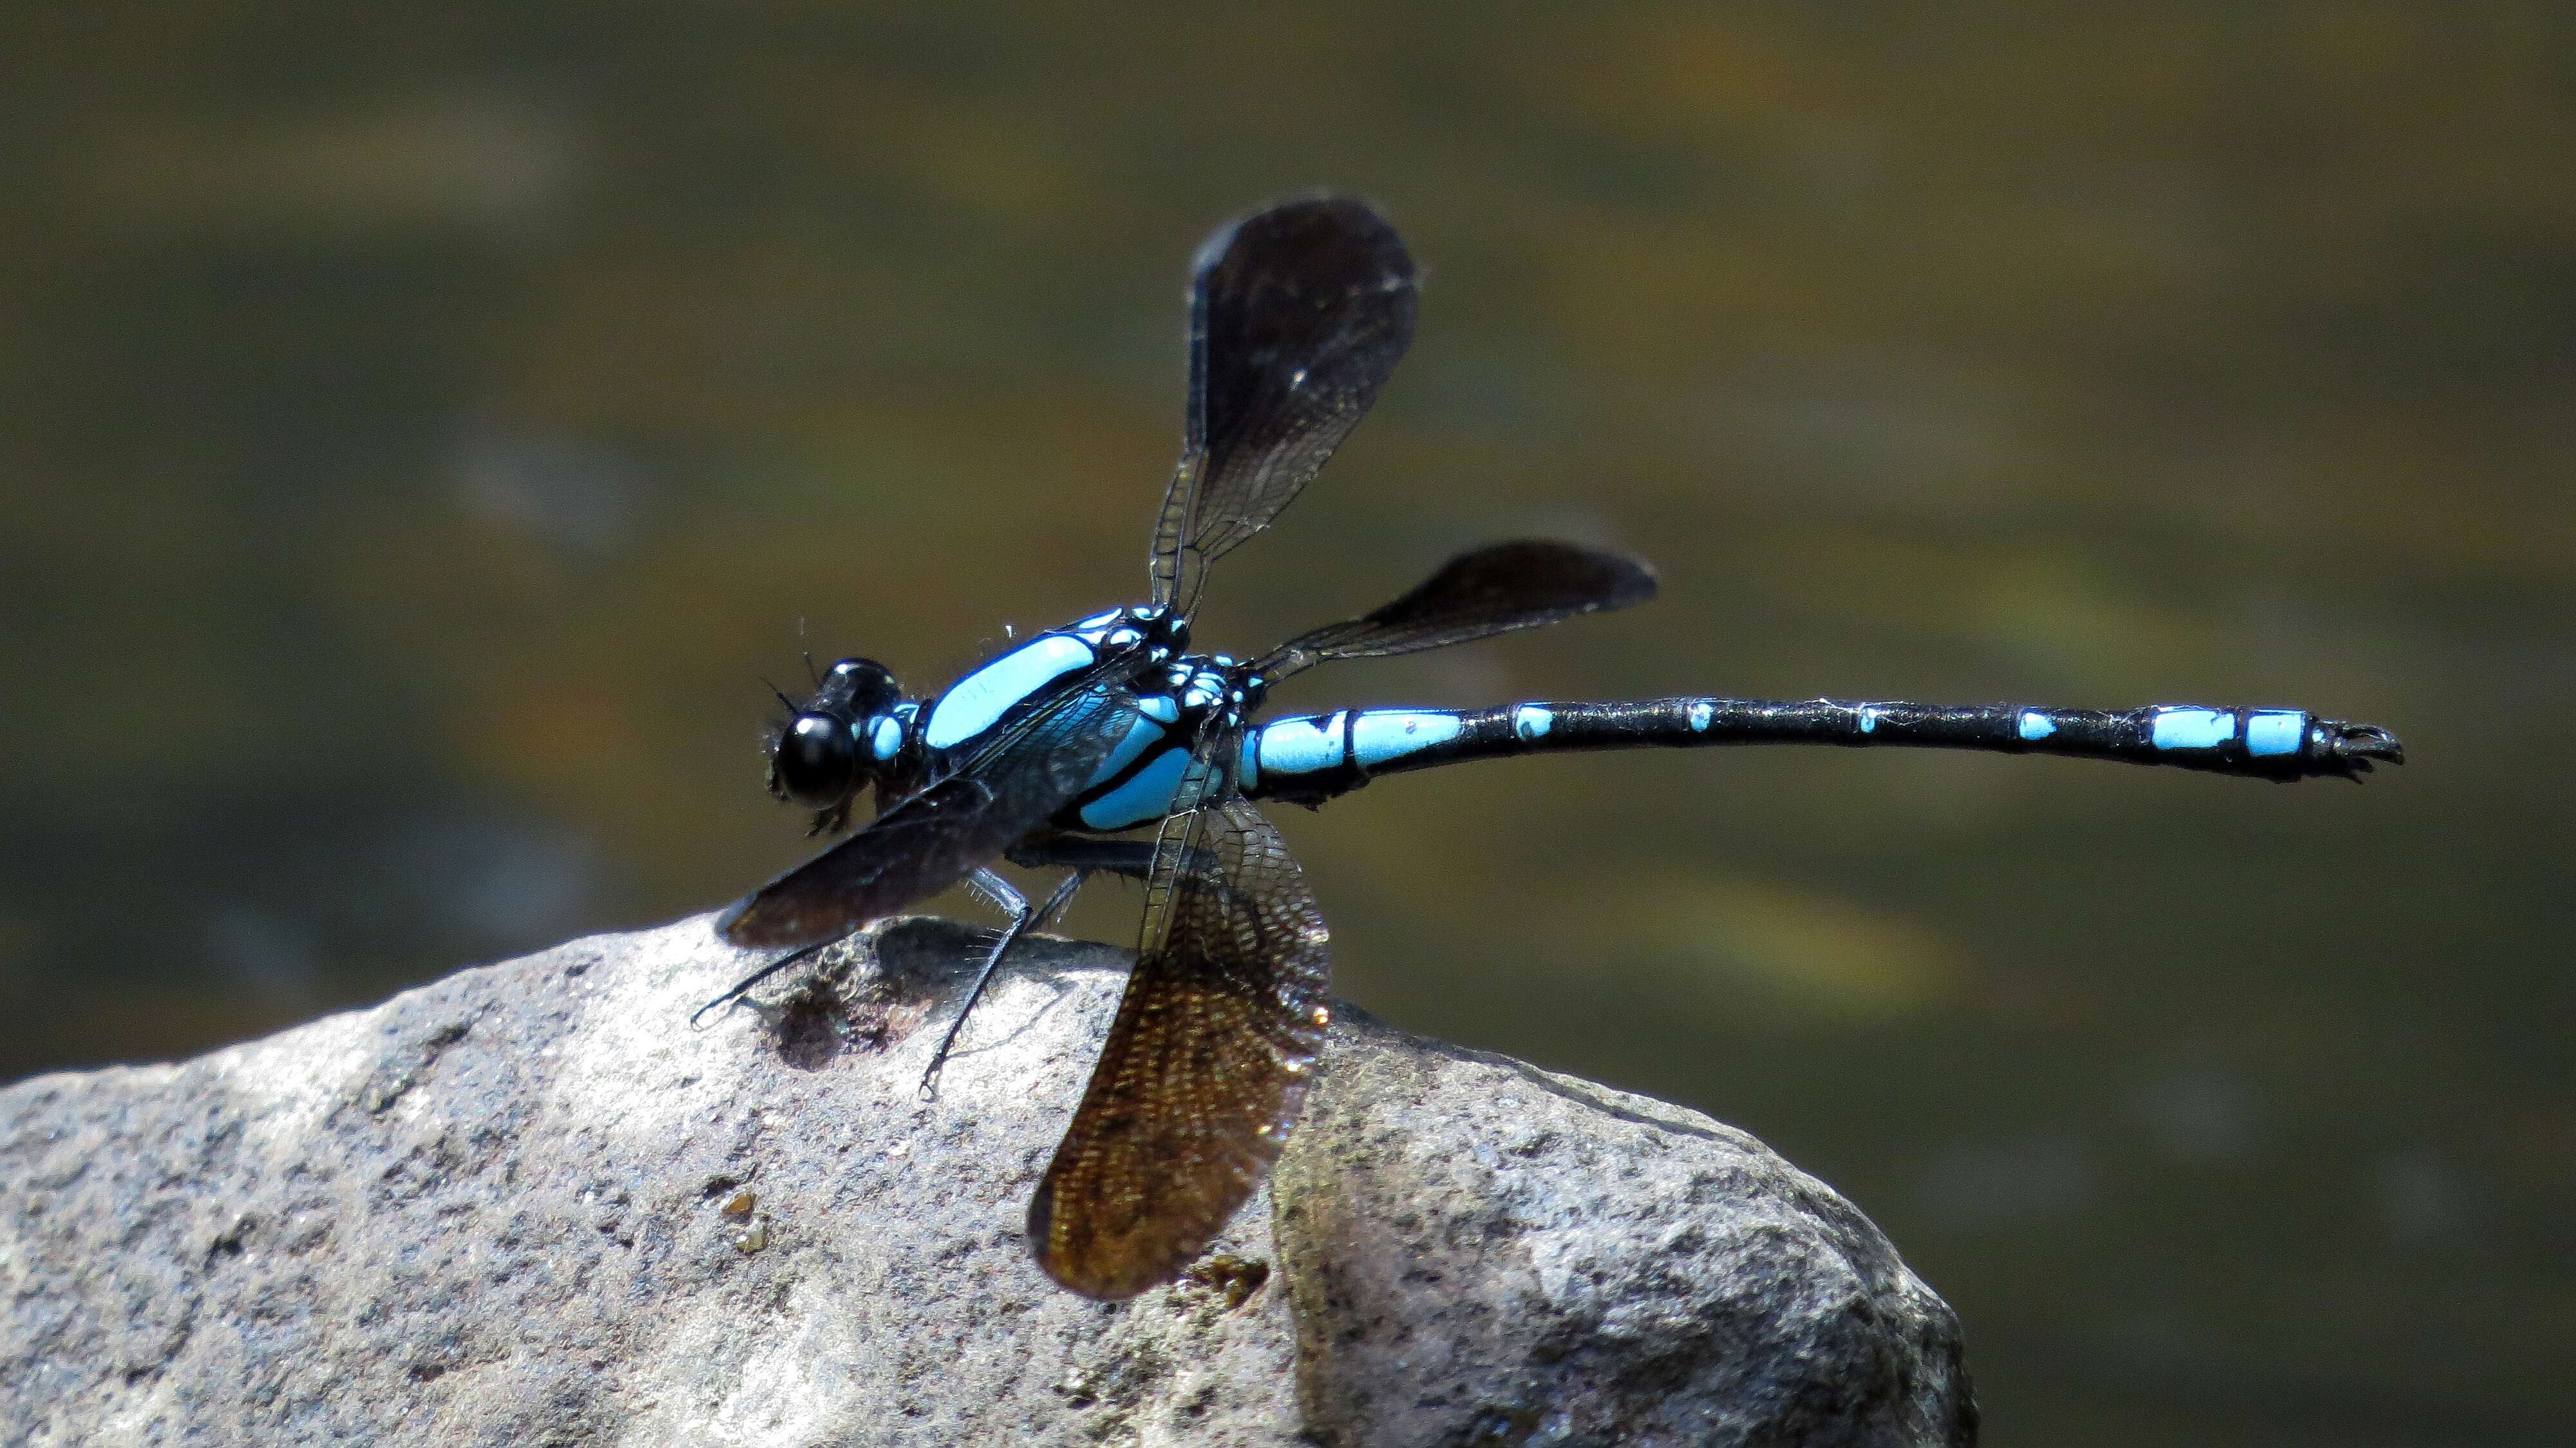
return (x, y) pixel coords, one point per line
(1204, 1070)
(1298, 315)
(1493, 590)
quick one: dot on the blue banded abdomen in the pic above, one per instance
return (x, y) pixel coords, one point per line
(1329, 752)
(1288, 757)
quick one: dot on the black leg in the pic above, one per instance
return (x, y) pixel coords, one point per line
(1131, 858)
(743, 987)
(997, 890)
(1056, 903)
(1079, 855)
(1084, 855)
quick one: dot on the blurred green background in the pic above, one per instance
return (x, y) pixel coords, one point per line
(424, 433)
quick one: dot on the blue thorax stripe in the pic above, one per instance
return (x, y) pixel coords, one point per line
(975, 703)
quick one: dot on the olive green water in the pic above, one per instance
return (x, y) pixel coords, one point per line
(419, 439)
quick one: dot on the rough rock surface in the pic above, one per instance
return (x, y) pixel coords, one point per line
(529, 1205)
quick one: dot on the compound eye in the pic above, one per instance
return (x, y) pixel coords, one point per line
(857, 687)
(816, 764)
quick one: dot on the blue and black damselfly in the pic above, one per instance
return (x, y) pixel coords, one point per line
(1298, 315)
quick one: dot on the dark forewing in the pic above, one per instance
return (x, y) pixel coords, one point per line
(1493, 590)
(1203, 1073)
(1298, 314)
(930, 840)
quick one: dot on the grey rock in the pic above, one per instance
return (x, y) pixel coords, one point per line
(511, 1207)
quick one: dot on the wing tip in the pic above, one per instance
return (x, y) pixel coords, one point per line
(1356, 215)
(729, 922)
(1634, 580)
(1095, 1274)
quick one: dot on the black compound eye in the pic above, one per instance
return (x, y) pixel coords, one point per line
(816, 763)
(856, 688)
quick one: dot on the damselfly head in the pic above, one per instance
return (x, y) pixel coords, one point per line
(834, 744)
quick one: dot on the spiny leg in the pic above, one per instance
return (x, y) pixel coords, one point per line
(998, 892)
(744, 986)
(1082, 857)
(1057, 903)
(1085, 855)
(985, 883)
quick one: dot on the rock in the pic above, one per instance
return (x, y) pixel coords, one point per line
(529, 1204)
